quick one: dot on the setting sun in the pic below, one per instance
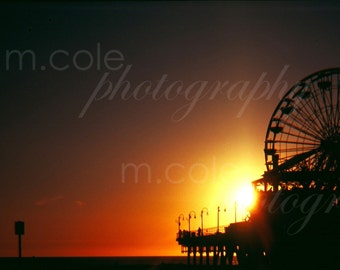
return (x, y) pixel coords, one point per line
(244, 201)
(245, 197)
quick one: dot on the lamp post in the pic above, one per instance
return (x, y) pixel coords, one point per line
(235, 210)
(218, 217)
(181, 216)
(191, 214)
(202, 211)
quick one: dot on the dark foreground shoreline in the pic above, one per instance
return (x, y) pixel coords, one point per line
(139, 263)
(96, 263)
(90, 263)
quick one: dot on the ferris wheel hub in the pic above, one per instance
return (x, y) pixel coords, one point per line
(331, 144)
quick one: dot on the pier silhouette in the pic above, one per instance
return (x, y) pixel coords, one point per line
(296, 221)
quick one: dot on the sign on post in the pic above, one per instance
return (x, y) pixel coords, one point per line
(19, 227)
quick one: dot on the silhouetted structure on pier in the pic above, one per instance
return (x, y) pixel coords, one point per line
(296, 220)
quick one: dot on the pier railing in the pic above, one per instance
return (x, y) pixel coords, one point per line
(199, 232)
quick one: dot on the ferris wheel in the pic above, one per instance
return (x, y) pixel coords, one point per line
(303, 135)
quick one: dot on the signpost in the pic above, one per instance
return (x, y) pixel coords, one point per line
(19, 230)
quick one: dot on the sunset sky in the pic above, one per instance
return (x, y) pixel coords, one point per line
(180, 93)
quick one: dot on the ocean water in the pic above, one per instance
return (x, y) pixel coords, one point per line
(152, 260)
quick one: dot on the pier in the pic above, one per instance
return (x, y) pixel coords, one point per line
(295, 222)
(227, 245)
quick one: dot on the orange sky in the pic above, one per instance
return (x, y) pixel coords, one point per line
(71, 178)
